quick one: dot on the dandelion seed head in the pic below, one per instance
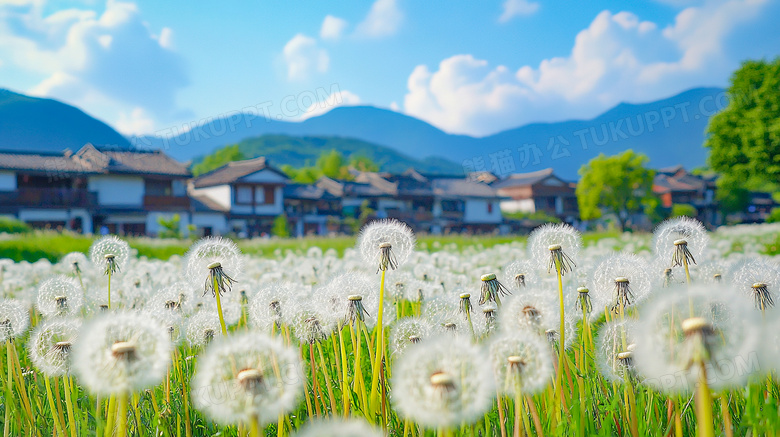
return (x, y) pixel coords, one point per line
(442, 383)
(246, 376)
(681, 330)
(609, 347)
(210, 254)
(680, 231)
(203, 328)
(386, 244)
(560, 236)
(14, 319)
(760, 280)
(621, 279)
(107, 250)
(408, 331)
(60, 296)
(50, 346)
(520, 358)
(122, 352)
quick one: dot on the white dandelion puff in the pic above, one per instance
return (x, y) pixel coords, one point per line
(60, 296)
(122, 353)
(442, 383)
(386, 244)
(520, 360)
(247, 377)
(50, 346)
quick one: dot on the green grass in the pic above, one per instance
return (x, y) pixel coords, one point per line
(53, 245)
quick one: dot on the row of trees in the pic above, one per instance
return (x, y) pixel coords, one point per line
(744, 143)
(331, 164)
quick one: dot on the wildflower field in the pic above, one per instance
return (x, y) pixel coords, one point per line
(674, 333)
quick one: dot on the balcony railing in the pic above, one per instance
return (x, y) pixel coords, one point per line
(49, 197)
(166, 202)
(416, 216)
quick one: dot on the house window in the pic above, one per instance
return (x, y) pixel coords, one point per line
(259, 195)
(490, 207)
(269, 195)
(156, 187)
(243, 195)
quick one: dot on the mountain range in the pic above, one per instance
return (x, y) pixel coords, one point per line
(670, 131)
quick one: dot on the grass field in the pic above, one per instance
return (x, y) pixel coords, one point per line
(53, 245)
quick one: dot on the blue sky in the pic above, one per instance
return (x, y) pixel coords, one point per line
(473, 67)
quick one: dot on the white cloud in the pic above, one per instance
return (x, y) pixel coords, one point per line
(303, 57)
(517, 8)
(334, 100)
(617, 58)
(104, 63)
(166, 38)
(332, 27)
(382, 20)
(137, 122)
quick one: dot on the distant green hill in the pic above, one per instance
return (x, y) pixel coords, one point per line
(31, 124)
(304, 151)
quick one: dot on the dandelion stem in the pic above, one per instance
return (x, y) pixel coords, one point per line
(139, 428)
(535, 416)
(314, 385)
(219, 305)
(501, 420)
(705, 426)
(254, 427)
(726, 412)
(109, 290)
(69, 405)
(8, 390)
(380, 346)
(518, 432)
(358, 371)
(121, 415)
(345, 394)
(53, 408)
(561, 342)
(110, 416)
(326, 374)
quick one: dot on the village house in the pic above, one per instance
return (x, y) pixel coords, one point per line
(428, 203)
(94, 190)
(676, 186)
(249, 194)
(539, 191)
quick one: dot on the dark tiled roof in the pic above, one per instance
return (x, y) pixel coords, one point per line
(462, 188)
(523, 179)
(306, 192)
(679, 180)
(41, 163)
(339, 188)
(90, 160)
(231, 172)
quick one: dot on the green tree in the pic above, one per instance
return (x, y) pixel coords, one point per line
(744, 138)
(683, 210)
(170, 226)
(217, 159)
(619, 184)
(363, 163)
(281, 227)
(331, 164)
(774, 216)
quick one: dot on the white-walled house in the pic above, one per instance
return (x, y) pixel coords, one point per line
(94, 190)
(250, 193)
(432, 203)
